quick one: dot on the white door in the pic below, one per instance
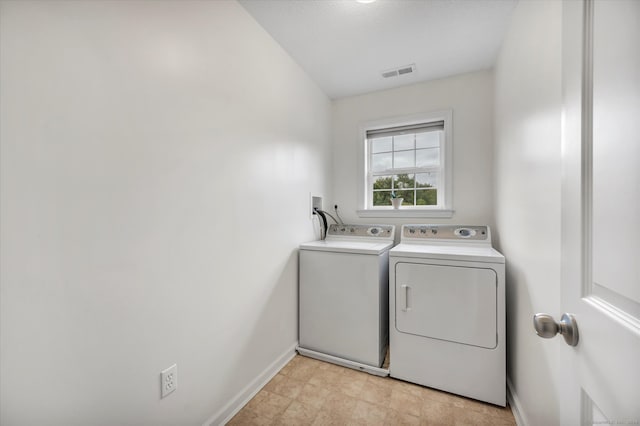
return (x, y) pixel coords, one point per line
(601, 210)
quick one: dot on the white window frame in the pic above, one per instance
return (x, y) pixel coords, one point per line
(445, 188)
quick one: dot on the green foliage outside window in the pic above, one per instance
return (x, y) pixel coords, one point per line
(405, 186)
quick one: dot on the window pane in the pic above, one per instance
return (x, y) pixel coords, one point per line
(401, 142)
(403, 181)
(407, 197)
(404, 159)
(381, 198)
(426, 180)
(381, 145)
(380, 162)
(428, 139)
(382, 182)
(428, 157)
(426, 197)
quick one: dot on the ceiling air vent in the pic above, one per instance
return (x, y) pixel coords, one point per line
(407, 69)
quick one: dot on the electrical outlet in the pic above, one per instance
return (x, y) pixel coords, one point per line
(316, 203)
(169, 380)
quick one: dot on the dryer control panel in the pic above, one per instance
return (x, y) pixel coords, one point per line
(446, 232)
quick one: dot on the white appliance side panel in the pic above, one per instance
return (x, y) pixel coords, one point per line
(384, 306)
(340, 304)
(452, 303)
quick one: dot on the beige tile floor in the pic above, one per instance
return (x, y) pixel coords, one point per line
(311, 392)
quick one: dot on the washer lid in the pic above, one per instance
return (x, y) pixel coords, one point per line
(347, 246)
(467, 252)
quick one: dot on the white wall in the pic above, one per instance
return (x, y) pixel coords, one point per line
(470, 96)
(157, 159)
(527, 199)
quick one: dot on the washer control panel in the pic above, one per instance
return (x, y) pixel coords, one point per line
(380, 231)
(445, 232)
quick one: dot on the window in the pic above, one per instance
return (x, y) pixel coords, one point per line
(408, 158)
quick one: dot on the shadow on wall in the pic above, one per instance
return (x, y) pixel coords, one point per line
(538, 362)
(271, 323)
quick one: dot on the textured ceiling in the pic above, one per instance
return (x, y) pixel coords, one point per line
(344, 45)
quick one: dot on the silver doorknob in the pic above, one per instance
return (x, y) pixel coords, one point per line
(547, 327)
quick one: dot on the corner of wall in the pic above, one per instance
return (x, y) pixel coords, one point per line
(241, 399)
(514, 403)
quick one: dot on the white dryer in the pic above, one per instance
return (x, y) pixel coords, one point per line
(344, 288)
(447, 311)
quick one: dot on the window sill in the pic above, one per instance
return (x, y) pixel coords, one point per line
(406, 212)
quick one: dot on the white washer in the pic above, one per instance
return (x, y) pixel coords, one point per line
(447, 311)
(344, 288)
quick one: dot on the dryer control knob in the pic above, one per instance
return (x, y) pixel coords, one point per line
(464, 232)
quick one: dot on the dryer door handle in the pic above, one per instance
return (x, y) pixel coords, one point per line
(406, 298)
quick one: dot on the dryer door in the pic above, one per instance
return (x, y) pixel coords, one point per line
(453, 303)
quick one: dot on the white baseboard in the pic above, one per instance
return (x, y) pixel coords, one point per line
(244, 396)
(516, 406)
